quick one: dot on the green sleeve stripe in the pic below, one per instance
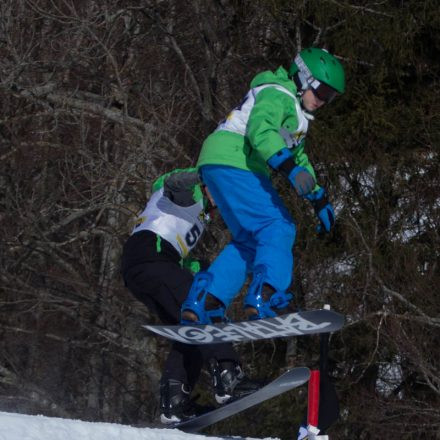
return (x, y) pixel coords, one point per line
(158, 244)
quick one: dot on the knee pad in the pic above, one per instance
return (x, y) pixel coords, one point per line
(263, 298)
(206, 307)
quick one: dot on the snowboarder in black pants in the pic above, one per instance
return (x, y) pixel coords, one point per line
(157, 270)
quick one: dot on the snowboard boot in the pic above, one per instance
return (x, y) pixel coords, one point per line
(176, 404)
(230, 382)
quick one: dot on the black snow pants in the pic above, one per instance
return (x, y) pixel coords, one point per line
(156, 278)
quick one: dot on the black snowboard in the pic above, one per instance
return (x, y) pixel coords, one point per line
(291, 324)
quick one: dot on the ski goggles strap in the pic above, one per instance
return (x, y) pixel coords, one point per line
(306, 75)
(322, 91)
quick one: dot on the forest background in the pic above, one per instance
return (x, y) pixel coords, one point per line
(98, 98)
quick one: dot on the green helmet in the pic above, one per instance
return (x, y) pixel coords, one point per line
(314, 67)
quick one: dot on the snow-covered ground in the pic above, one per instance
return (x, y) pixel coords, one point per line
(23, 427)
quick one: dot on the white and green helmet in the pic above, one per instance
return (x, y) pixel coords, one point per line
(318, 70)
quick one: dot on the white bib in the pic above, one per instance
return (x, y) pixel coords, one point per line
(181, 226)
(237, 120)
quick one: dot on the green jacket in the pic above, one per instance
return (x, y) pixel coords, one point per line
(269, 119)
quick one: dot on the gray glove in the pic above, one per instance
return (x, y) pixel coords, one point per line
(179, 187)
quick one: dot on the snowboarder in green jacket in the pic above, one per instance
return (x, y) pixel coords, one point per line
(265, 133)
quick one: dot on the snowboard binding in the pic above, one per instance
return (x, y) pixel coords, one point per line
(262, 300)
(201, 306)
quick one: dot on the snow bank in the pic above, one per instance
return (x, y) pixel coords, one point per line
(23, 427)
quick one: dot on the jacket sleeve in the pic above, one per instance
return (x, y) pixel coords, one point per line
(271, 108)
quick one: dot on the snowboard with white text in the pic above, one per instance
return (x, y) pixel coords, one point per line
(292, 324)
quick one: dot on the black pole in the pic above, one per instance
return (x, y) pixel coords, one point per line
(328, 402)
(323, 352)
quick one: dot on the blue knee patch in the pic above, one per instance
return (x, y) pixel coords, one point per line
(254, 297)
(196, 299)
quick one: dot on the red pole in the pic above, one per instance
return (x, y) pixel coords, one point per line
(313, 397)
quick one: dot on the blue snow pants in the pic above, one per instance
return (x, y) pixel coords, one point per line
(263, 232)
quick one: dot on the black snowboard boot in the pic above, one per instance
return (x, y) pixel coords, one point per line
(229, 381)
(176, 404)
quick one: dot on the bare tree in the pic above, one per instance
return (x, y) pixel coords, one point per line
(100, 98)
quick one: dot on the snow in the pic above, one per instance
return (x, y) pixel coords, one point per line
(15, 426)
